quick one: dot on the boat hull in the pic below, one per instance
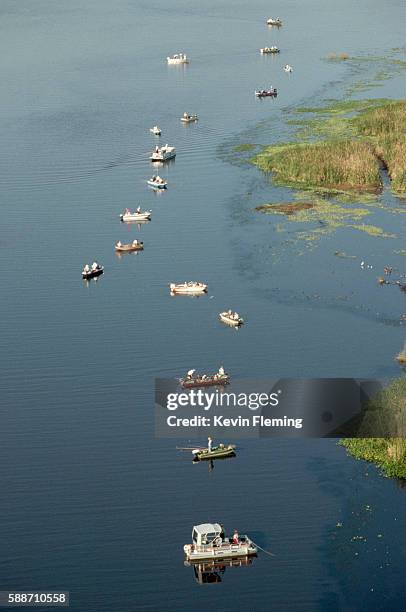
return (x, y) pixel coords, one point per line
(157, 185)
(129, 248)
(162, 158)
(232, 322)
(134, 218)
(92, 274)
(188, 290)
(272, 94)
(221, 552)
(221, 381)
(216, 454)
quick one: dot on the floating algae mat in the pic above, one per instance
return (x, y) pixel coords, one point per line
(323, 217)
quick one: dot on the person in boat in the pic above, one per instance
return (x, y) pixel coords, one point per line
(221, 371)
(156, 149)
(235, 537)
(189, 375)
(86, 269)
(135, 242)
(138, 211)
(95, 265)
(118, 244)
(209, 444)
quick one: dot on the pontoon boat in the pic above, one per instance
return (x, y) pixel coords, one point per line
(209, 543)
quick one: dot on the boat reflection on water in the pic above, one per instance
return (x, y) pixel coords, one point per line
(120, 254)
(210, 463)
(209, 572)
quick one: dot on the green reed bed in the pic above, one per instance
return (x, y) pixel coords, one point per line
(339, 151)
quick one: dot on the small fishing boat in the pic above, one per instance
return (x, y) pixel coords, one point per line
(127, 216)
(135, 245)
(92, 271)
(178, 58)
(266, 93)
(231, 318)
(188, 288)
(157, 182)
(162, 154)
(186, 118)
(217, 452)
(202, 380)
(209, 542)
(272, 49)
(156, 130)
(274, 22)
(288, 68)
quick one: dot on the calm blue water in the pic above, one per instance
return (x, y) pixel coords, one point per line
(91, 502)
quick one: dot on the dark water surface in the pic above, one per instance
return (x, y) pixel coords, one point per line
(90, 501)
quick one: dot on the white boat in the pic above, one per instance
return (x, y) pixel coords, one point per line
(231, 318)
(156, 130)
(272, 49)
(274, 22)
(178, 58)
(288, 68)
(157, 182)
(162, 154)
(127, 216)
(186, 118)
(209, 542)
(191, 288)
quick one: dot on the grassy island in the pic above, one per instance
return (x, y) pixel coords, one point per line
(338, 150)
(385, 413)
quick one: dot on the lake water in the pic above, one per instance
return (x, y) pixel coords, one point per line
(91, 502)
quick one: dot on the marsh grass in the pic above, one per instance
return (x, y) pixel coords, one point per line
(340, 147)
(338, 164)
(386, 412)
(385, 127)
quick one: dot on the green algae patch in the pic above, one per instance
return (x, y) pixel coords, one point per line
(373, 230)
(286, 208)
(245, 148)
(322, 217)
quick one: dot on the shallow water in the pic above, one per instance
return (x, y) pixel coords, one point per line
(91, 502)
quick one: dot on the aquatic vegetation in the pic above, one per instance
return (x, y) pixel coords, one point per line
(287, 208)
(345, 143)
(387, 413)
(322, 217)
(338, 164)
(386, 128)
(242, 148)
(372, 230)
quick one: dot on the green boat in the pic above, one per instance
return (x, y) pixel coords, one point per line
(217, 452)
